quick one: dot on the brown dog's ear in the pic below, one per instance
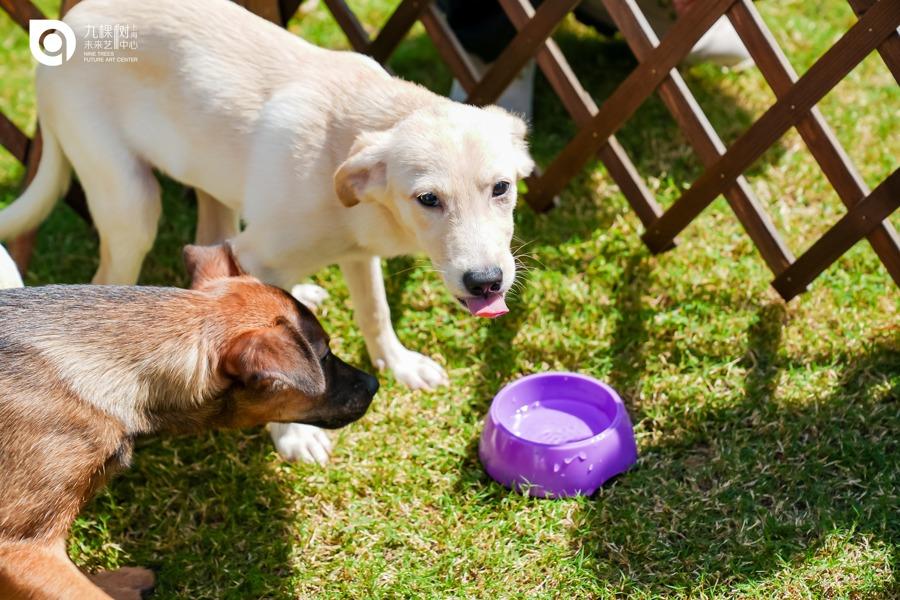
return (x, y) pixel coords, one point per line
(363, 170)
(205, 263)
(275, 358)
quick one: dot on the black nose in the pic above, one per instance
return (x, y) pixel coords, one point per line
(370, 384)
(483, 281)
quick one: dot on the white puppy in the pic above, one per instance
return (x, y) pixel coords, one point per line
(327, 158)
(9, 274)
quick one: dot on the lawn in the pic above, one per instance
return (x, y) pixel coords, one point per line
(768, 432)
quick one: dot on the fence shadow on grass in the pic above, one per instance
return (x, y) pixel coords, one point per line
(756, 484)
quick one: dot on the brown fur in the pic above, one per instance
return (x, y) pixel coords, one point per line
(86, 369)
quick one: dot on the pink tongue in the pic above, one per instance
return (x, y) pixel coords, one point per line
(492, 306)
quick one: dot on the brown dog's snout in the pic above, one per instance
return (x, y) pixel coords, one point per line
(349, 392)
(369, 383)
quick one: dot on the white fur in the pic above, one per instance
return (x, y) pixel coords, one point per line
(295, 441)
(310, 294)
(9, 274)
(322, 153)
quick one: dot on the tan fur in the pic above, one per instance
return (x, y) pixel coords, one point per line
(86, 369)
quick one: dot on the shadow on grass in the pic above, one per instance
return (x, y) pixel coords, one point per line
(209, 513)
(630, 335)
(758, 485)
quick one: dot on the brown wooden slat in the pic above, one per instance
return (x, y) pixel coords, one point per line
(626, 99)
(348, 22)
(809, 89)
(77, 201)
(702, 136)
(267, 9)
(13, 139)
(449, 48)
(581, 107)
(858, 222)
(397, 26)
(629, 180)
(21, 250)
(21, 11)
(66, 6)
(22, 247)
(780, 75)
(815, 132)
(287, 9)
(889, 48)
(520, 50)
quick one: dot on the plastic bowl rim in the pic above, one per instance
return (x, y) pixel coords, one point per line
(613, 424)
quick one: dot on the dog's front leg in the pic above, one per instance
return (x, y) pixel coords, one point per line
(373, 315)
(295, 441)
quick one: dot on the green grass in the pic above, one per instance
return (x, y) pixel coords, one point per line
(768, 432)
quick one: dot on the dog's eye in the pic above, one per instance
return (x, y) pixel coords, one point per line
(428, 199)
(500, 188)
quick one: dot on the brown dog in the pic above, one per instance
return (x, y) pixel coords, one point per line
(86, 369)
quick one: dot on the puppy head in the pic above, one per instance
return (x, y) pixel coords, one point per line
(448, 173)
(275, 357)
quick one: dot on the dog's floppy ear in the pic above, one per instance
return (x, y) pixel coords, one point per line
(275, 358)
(364, 169)
(205, 263)
(519, 130)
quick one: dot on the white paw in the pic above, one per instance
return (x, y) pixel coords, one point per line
(309, 294)
(415, 370)
(298, 442)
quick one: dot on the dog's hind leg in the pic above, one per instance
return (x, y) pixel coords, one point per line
(215, 221)
(41, 569)
(124, 199)
(122, 194)
(370, 307)
(125, 206)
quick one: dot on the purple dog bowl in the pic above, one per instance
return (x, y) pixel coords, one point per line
(557, 434)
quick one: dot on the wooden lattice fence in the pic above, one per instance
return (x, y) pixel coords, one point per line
(795, 106)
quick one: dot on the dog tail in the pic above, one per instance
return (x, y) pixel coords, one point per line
(9, 274)
(49, 184)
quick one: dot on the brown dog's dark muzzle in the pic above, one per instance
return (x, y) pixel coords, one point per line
(348, 393)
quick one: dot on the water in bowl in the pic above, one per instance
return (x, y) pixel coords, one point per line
(558, 421)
